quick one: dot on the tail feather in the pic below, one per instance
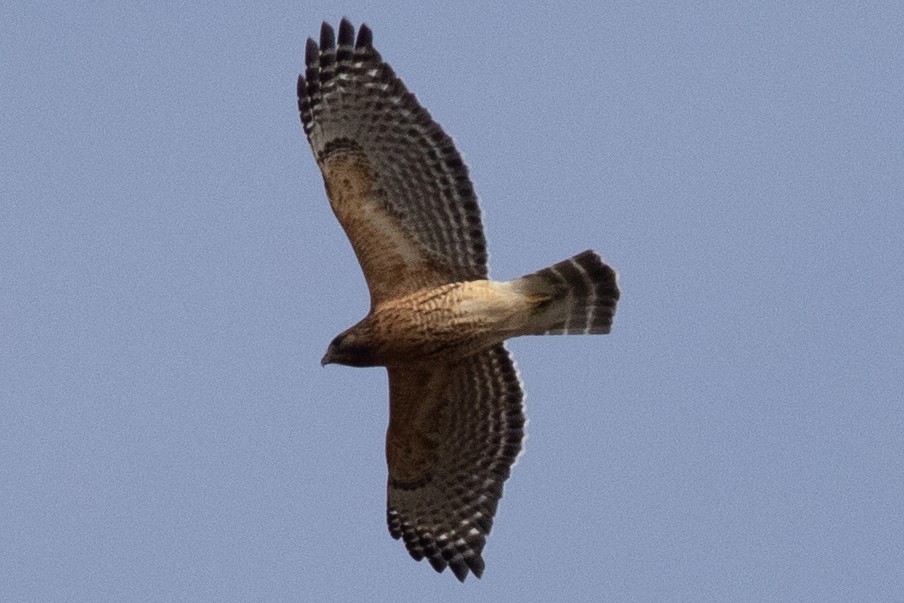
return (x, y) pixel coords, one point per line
(576, 296)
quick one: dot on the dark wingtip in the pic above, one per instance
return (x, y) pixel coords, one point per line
(311, 52)
(327, 37)
(476, 565)
(365, 37)
(346, 32)
(460, 570)
(299, 87)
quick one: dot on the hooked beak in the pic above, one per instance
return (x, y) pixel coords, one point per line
(327, 358)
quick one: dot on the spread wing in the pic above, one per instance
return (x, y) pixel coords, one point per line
(395, 181)
(454, 434)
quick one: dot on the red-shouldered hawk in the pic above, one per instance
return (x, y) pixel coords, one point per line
(401, 192)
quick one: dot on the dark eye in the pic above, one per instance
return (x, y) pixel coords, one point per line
(337, 341)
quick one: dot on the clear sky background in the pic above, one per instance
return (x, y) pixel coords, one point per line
(171, 273)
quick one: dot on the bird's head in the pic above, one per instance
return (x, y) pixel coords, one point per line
(351, 349)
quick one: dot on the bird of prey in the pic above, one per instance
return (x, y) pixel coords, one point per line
(437, 323)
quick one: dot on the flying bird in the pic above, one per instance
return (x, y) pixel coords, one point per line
(437, 323)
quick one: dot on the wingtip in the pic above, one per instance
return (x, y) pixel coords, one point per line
(346, 33)
(346, 37)
(365, 37)
(460, 571)
(476, 564)
(327, 36)
(311, 52)
(461, 567)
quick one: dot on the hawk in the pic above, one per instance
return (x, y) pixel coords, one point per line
(437, 323)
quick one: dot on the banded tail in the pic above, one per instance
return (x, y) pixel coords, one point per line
(577, 296)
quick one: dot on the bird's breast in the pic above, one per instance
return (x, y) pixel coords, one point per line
(449, 321)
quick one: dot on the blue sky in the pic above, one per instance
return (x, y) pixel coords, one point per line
(171, 273)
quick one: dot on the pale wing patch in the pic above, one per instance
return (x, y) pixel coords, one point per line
(390, 259)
